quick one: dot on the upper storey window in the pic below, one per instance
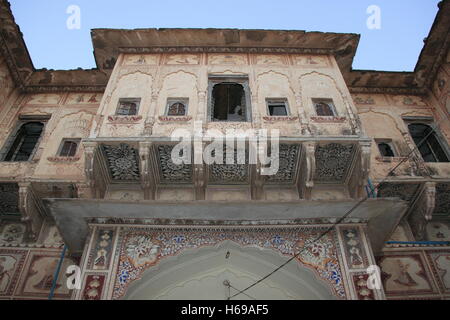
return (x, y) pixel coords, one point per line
(277, 107)
(177, 107)
(386, 149)
(69, 147)
(324, 108)
(128, 107)
(428, 143)
(229, 99)
(22, 144)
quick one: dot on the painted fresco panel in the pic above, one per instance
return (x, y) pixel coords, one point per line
(405, 273)
(11, 263)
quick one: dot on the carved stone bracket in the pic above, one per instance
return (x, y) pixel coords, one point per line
(147, 181)
(95, 178)
(89, 153)
(256, 178)
(199, 173)
(31, 209)
(306, 184)
(422, 211)
(364, 167)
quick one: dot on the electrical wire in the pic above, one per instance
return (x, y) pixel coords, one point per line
(343, 217)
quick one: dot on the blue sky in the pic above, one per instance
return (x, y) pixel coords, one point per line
(394, 47)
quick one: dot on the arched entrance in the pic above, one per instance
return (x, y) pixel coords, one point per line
(198, 274)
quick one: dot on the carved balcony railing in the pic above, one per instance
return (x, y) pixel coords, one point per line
(304, 164)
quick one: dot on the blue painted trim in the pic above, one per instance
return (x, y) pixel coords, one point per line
(420, 242)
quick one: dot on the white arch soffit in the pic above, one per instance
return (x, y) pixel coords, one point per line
(194, 271)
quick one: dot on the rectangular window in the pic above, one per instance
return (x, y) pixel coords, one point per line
(128, 106)
(385, 147)
(229, 99)
(177, 107)
(69, 147)
(277, 107)
(324, 107)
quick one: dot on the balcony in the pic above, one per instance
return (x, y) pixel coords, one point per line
(306, 165)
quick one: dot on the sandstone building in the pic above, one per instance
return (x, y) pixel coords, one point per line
(87, 178)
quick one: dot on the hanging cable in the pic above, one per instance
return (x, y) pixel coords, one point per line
(343, 217)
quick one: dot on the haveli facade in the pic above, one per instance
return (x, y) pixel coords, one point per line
(86, 165)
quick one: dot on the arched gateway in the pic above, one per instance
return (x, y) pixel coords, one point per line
(218, 272)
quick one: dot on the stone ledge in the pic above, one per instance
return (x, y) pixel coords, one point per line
(329, 119)
(124, 119)
(390, 159)
(175, 118)
(63, 159)
(279, 118)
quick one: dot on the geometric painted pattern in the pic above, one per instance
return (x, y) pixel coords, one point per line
(333, 162)
(354, 248)
(235, 173)
(170, 172)
(11, 263)
(360, 283)
(141, 248)
(288, 160)
(94, 286)
(404, 191)
(442, 199)
(441, 268)
(122, 161)
(101, 252)
(9, 199)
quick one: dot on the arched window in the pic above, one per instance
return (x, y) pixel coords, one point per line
(324, 108)
(385, 149)
(128, 107)
(176, 108)
(427, 142)
(25, 142)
